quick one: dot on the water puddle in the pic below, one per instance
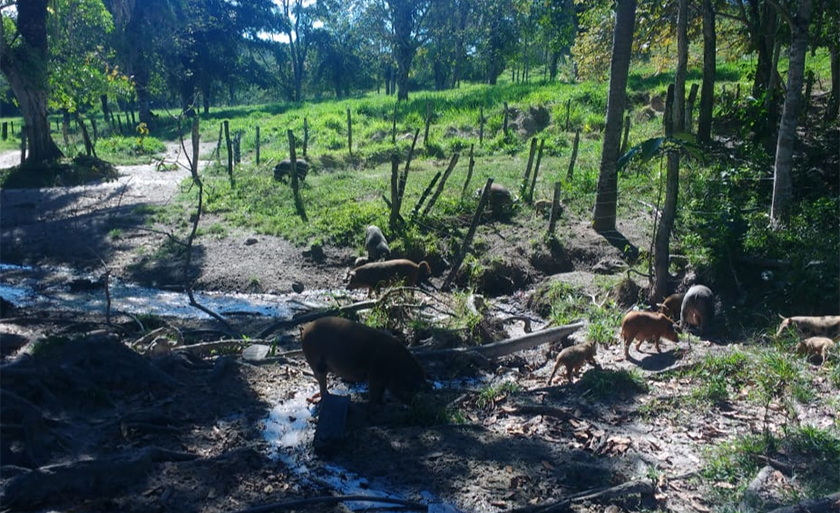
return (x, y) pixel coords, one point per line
(59, 289)
(290, 430)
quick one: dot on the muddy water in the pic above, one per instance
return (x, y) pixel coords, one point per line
(290, 430)
(67, 290)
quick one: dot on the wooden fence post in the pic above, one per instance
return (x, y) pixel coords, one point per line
(505, 126)
(568, 112)
(442, 183)
(481, 126)
(258, 145)
(689, 109)
(305, 135)
(469, 171)
(416, 209)
(5, 130)
(395, 191)
(229, 153)
(428, 122)
(394, 123)
(219, 142)
(536, 171)
(349, 133)
(482, 203)
(570, 173)
(525, 180)
(295, 182)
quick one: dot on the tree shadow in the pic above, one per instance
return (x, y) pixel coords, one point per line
(628, 250)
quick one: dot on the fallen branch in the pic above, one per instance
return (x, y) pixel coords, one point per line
(311, 316)
(91, 478)
(622, 490)
(333, 499)
(823, 504)
(509, 346)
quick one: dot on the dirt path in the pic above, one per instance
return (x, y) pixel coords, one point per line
(106, 224)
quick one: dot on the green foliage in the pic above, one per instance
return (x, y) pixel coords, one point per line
(129, 150)
(812, 449)
(492, 393)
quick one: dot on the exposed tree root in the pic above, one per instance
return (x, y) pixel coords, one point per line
(89, 478)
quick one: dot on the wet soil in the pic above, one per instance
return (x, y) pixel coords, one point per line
(188, 432)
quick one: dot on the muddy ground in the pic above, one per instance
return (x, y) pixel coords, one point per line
(90, 425)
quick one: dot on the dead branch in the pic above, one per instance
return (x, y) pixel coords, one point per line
(622, 490)
(509, 346)
(205, 347)
(90, 478)
(823, 504)
(311, 316)
(334, 499)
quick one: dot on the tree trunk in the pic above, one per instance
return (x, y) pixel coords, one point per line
(763, 32)
(25, 67)
(552, 69)
(607, 196)
(707, 93)
(834, 100)
(682, 66)
(141, 89)
(402, 21)
(782, 188)
(669, 210)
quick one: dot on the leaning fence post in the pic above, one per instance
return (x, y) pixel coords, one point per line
(442, 183)
(469, 171)
(571, 171)
(524, 189)
(536, 171)
(482, 203)
(395, 191)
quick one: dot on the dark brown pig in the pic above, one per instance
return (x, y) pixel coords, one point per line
(371, 275)
(283, 170)
(355, 352)
(650, 326)
(672, 305)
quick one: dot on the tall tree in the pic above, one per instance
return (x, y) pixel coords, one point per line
(558, 21)
(407, 21)
(782, 187)
(298, 23)
(24, 59)
(607, 195)
(143, 38)
(707, 91)
(674, 122)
